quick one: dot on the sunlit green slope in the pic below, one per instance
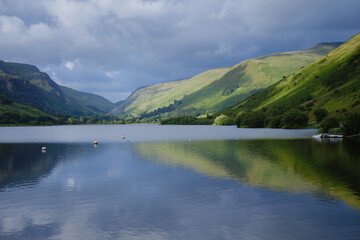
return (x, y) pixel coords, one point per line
(251, 76)
(149, 98)
(217, 89)
(332, 82)
(17, 112)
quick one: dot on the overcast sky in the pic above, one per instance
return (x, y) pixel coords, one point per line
(112, 47)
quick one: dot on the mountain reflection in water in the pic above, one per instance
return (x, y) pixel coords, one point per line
(327, 170)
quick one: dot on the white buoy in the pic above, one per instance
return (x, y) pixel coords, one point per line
(95, 142)
(43, 149)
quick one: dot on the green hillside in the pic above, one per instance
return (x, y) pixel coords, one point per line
(32, 74)
(149, 98)
(331, 83)
(15, 113)
(26, 85)
(216, 89)
(94, 102)
(251, 76)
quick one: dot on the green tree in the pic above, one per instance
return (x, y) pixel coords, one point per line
(239, 119)
(327, 123)
(275, 122)
(254, 120)
(223, 120)
(294, 119)
(320, 114)
(351, 124)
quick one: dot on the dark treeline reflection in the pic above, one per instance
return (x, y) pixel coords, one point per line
(26, 163)
(328, 170)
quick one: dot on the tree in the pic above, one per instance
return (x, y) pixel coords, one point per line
(223, 120)
(327, 123)
(320, 114)
(254, 120)
(351, 124)
(239, 119)
(294, 119)
(275, 122)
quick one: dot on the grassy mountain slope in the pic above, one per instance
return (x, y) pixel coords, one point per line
(14, 113)
(251, 76)
(149, 98)
(332, 83)
(33, 75)
(92, 101)
(25, 84)
(8, 106)
(217, 89)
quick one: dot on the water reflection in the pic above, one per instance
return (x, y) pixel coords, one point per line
(26, 164)
(327, 170)
(155, 191)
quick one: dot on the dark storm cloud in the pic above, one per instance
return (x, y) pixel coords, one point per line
(112, 47)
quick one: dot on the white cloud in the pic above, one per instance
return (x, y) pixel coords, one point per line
(69, 65)
(112, 74)
(11, 25)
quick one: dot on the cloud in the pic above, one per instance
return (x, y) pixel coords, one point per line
(69, 65)
(141, 42)
(112, 74)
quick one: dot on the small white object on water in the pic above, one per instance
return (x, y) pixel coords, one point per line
(123, 137)
(95, 142)
(43, 149)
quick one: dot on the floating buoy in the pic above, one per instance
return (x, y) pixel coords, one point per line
(95, 142)
(123, 137)
(43, 149)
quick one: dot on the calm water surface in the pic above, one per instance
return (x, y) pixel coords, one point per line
(159, 186)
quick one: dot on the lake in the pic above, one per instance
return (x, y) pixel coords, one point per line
(177, 182)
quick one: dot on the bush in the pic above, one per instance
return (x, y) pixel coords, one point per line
(327, 123)
(294, 119)
(351, 124)
(320, 114)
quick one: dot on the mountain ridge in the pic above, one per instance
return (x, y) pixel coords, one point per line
(25, 84)
(224, 90)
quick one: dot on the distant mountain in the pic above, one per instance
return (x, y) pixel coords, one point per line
(150, 98)
(92, 101)
(331, 83)
(216, 89)
(25, 84)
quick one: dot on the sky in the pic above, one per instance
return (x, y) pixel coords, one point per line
(112, 47)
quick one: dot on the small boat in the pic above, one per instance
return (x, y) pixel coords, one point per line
(326, 135)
